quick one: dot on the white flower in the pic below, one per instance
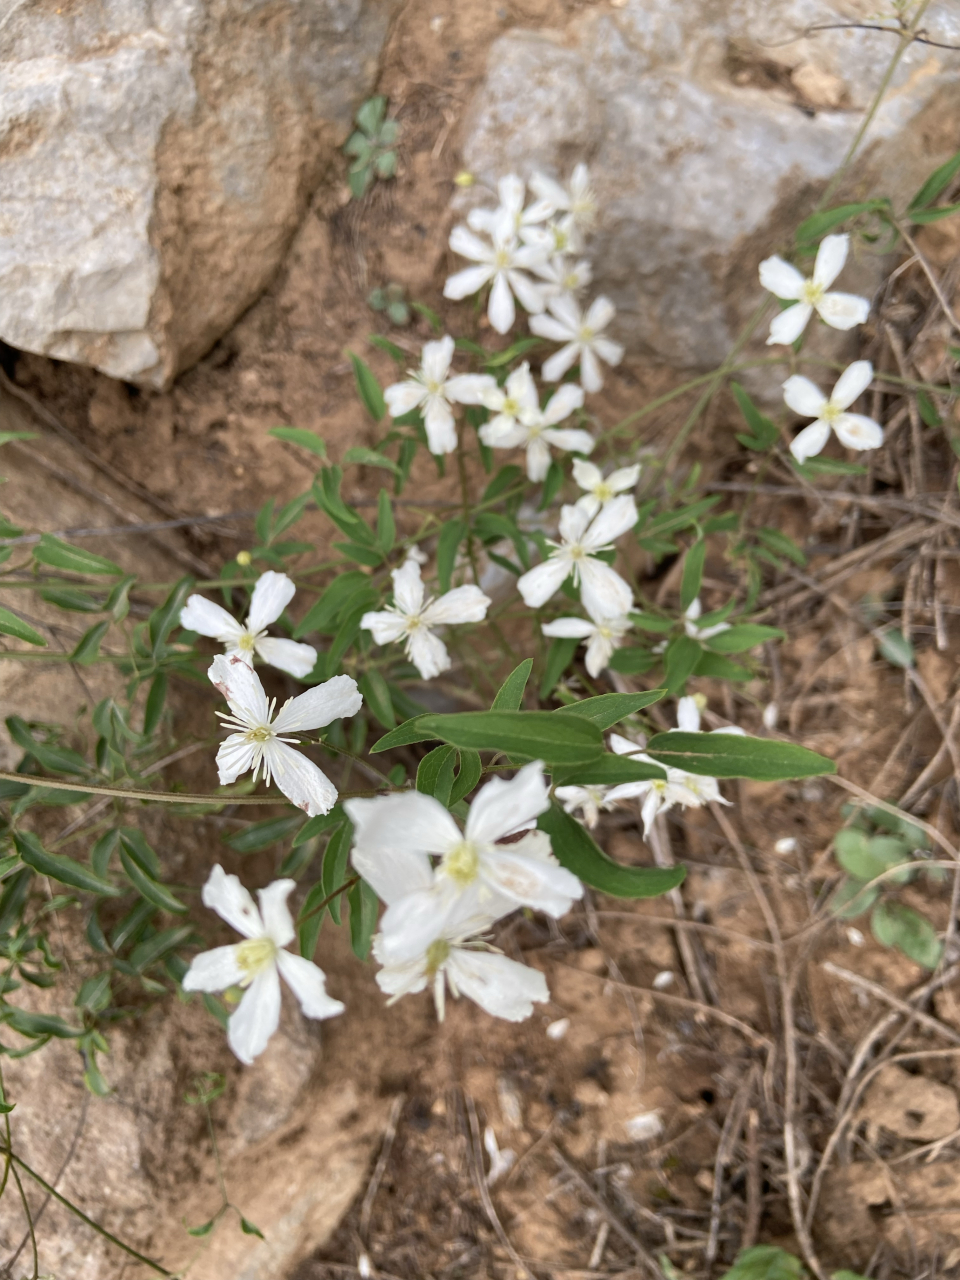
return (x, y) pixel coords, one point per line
(412, 616)
(839, 310)
(557, 238)
(257, 963)
(521, 422)
(600, 491)
(560, 277)
(271, 595)
(854, 430)
(503, 261)
(582, 336)
(579, 199)
(692, 626)
(603, 592)
(603, 636)
(430, 389)
(258, 742)
(510, 211)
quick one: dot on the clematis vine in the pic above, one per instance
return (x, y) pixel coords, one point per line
(520, 422)
(599, 490)
(412, 617)
(582, 336)
(271, 595)
(603, 592)
(854, 430)
(839, 310)
(503, 262)
(257, 964)
(602, 636)
(431, 389)
(259, 740)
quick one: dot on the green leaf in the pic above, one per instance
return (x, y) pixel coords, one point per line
(410, 731)
(610, 708)
(780, 544)
(73, 599)
(764, 434)
(249, 1229)
(937, 183)
(894, 925)
(896, 648)
(376, 696)
(610, 770)
(308, 440)
(692, 573)
(11, 625)
(559, 656)
(149, 889)
(448, 543)
(7, 436)
(141, 852)
(867, 858)
(765, 1262)
(471, 771)
(59, 867)
(153, 949)
(435, 774)
(926, 216)
(364, 906)
(315, 826)
(386, 525)
(576, 850)
(61, 555)
(633, 660)
(335, 866)
(819, 224)
(851, 899)
(368, 388)
(719, 668)
(164, 618)
(510, 694)
(680, 661)
(529, 735)
(36, 1025)
(652, 622)
(55, 759)
(829, 467)
(928, 410)
(735, 755)
(745, 636)
(88, 646)
(324, 614)
(156, 699)
(94, 994)
(360, 456)
(261, 835)
(203, 1230)
(371, 114)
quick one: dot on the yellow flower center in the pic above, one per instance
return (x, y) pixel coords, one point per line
(462, 863)
(587, 335)
(576, 552)
(811, 293)
(255, 955)
(511, 407)
(263, 733)
(246, 642)
(501, 259)
(603, 491)
(604, 631)
(830, 412)
(413, 622)
(560, 240)
(438, 953)
(434, 388)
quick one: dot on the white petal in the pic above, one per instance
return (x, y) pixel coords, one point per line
(428, 653)
(693, 610)
(782, 279)
(274, 912)
(570, 439)
(504, 432)
(550, 327)
(567, 311)
(320, 706)
(548, 190)
(688, 715)
(843, 310)
(654, 802)
(309, 984)
(385, 626)
(591, 374)
(464, 242)
(600, 313)
(401, 397)
(624, 479)
(241, 687)
(511, 189)
(401, 979)
(831, 256)
(504, 807)
(500, 309)
(484, 220)
(857, 431)
(408, 587)
(214, 970)
(852, 383)
(787, 327)
(803, 396)
(299, 778)
(810, 440)
(528, 293)
(500, 986)
(569, 628)
(530, 882)
(393, 836)
(587, 475)
(470, 388)
(603, 592)
(287, 655)
(466, 283)
(618, 516)
(435, 359)
(521, 387)
(609, 351)
(538, 460)
(230, 900)
(538, 585)
(271, 595)
(411, 924)
(562, 403)
(209, 619)
(462, 604)
(599, 652)
(256, 1017)
(573, 523)
(440, 426)
(235, 757)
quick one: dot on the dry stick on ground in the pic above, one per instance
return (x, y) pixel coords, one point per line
(725, 1149)
(476, 1168)
(376, 1178)
(659, 842)
(751, 1228)
(927, 271)
(928, 777)
(789, 1045)
(881, 993)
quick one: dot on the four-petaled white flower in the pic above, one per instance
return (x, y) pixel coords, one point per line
(502, 261)
(271, 595)
(430, 389)
(578, 199)
(258, 742)
(510, 211)
(582, 337)
(691, 623)
(839, 310)
(412, 616)
(600, 491)
(602, 636)
(592, 800)
(854, 430)
(603, 592)
(561, 277)
(521, 422)
(257, 963)
(558, 238)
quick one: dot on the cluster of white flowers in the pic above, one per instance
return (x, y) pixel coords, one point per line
(839, 311)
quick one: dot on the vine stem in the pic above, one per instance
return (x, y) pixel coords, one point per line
(344, 888)
(158, 797)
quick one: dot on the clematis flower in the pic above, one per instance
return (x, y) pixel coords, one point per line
(582, 337)
(535, 428)
(412, 616)
(512, 191)
(602, 636)
(503, 262)
(559, 276)
(600, 491)
(430, 389)
(271, 595)
(854, 430)
(517, 396)
(839, 310)
(257, 963)
(258, 741)
(591, 800)
(603, 592)
(691, 624)
(558, 238)
(578, 199)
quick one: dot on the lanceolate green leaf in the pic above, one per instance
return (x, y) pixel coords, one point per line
(435, 773)
(368, 388)
(262, 835)
(734, 755)
(471, 770)
(743, 637)
(610, 708)
(59, 867)
(530, 735)
(609, 770)
(410, 731)
(11, 625)
(692, 573)
(577, 851)
(510, 695)
(61, 555)
(149, 889)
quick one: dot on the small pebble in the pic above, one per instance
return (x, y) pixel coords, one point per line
(663, 980)
(787, 845)
(557, 1030)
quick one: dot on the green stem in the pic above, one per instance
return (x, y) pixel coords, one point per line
(347, 884)
(160, 797)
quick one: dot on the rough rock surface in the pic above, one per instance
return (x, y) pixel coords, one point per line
(156, 157)
(709, 128)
